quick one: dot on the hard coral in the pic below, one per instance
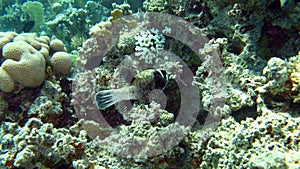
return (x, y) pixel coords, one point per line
(23, 64)
(6, 37)
(61, 63)
(116, 14)
(148, 45)
(57, 45)
(294, 63)
(24, 58)
(253, 143)
(277, 74)
(155, 6)
(39, 43)
(6, 83)
(29, 38)
(101, 29)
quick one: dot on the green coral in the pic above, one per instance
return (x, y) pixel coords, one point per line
(36, 12)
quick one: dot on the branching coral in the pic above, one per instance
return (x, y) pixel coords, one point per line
(149, 44)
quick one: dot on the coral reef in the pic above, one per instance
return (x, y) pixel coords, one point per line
(57, 45)
(5, 38)
(11, 19)
(229, 73)
(276, 73)
(48, 105)
(39, 144)
(265, 142)
(74, 20)
(61, 19)
(154, 6)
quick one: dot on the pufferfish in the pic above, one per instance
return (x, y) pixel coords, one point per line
(142, 84)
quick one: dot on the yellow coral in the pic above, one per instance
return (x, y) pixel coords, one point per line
(24, 65)
(6, 83)
(30, 38)
(39, 43)
(61, 63)
(116, 14)
(6, 37)
(101, 29)
(57, 45)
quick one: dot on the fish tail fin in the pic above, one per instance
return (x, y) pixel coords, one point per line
(107, 98)
(104, 99)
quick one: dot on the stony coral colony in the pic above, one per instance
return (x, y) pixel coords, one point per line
(47, 101)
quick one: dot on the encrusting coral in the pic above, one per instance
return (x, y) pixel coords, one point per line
(282, 78)
(276, 73)
(38, 141)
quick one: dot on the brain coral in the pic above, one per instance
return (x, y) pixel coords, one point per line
(6, 37)
(39, 43)
(57, 45)
(61, 63)
(6, 83)
(23, 65)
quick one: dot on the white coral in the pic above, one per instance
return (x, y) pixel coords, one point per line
(149, 44)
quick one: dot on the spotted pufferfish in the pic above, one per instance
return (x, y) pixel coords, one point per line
(142, 84)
